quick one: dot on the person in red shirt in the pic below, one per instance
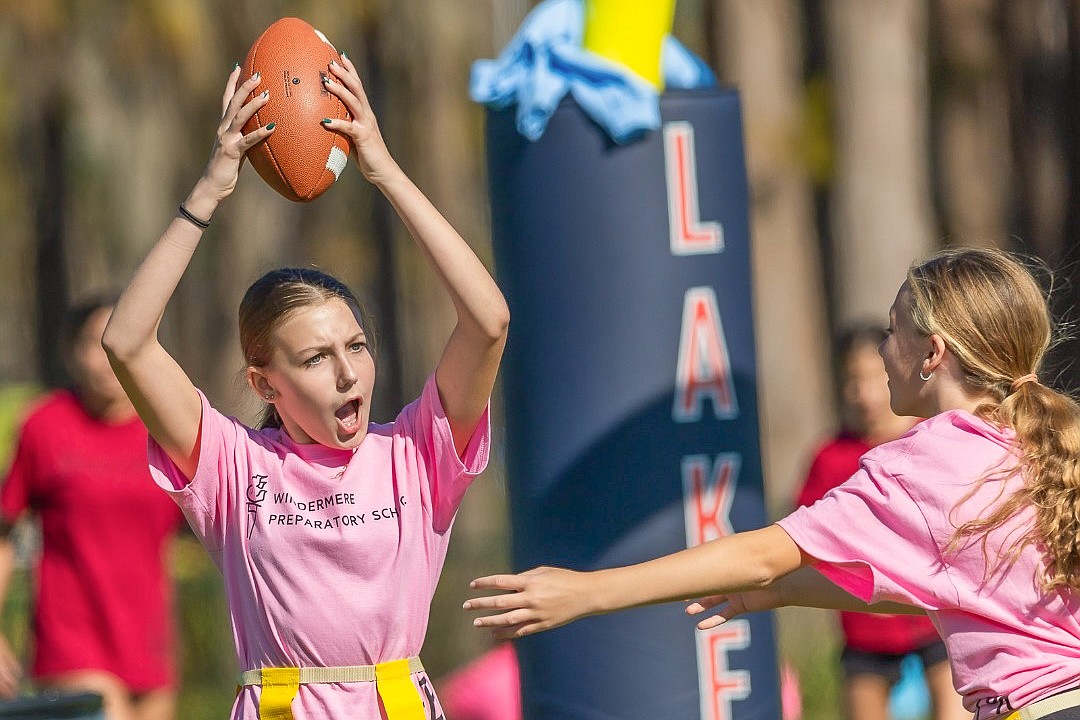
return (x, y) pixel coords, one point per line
(102, 617)
(874, 645)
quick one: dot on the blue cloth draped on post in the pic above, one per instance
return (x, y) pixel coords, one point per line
(545, 60)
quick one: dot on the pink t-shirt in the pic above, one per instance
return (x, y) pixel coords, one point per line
(882, 536)
(330, 557)
(833, 464)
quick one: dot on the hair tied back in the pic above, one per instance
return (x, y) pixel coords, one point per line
(1020, 381)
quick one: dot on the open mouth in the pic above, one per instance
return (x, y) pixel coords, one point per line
(348, 416)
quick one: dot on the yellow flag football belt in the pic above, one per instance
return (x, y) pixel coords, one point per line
(392, 680)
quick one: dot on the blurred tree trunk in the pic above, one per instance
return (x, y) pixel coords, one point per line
(39, 136)
(51, 267)
(1036, 37)
(760, 49)
(1040, 42)
(1065, 359)
(384, 230)
(882, 218)
(971, 121)
(425, 52)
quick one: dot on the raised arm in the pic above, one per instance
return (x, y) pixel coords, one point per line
(158, 387)
(546, 598)
(470, 360)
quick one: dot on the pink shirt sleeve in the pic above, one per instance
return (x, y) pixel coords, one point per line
(872, 539)
(207, 499)
(449, 475)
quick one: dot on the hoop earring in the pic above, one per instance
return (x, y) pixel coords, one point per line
(926, 377)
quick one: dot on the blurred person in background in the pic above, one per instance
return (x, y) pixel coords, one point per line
(874, 645)
(102, 618)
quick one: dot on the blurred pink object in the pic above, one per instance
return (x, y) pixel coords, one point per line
(488, 688)
(790, 693)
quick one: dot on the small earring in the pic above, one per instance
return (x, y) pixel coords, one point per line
(269, 396)
(927, 376)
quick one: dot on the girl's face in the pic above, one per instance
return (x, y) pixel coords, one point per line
(321, 375)
(865, 389)
(903, 353)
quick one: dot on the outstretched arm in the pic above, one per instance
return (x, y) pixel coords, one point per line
(470, 360)
(805, 587)
(546, 598)
(158, 387)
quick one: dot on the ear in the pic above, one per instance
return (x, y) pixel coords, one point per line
(260, 384)
(935, 353)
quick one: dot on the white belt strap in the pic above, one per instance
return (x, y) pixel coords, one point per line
(340, 674)
(1052, 704)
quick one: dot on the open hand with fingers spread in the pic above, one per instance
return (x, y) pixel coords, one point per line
(539, 599)
(546, 597)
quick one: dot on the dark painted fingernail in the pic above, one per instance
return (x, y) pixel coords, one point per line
(344, 54)
(326, 120)
(266, 93)
(235, 65)
(271, 126)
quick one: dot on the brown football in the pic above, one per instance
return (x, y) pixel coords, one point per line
(301, 159)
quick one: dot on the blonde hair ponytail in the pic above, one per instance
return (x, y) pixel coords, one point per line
(1047, 425)
(993, 316)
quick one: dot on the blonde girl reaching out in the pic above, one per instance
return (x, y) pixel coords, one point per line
(875, 646)
(973, 516)
(330, 531)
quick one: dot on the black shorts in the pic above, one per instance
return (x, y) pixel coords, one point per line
(887, 665)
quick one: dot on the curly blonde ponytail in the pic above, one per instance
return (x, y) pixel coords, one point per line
(1047, 425)
(993, 316)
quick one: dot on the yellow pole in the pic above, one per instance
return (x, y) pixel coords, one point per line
(631, 33)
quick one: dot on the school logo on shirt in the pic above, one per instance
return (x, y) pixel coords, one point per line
(256, 493)
(336, 510)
